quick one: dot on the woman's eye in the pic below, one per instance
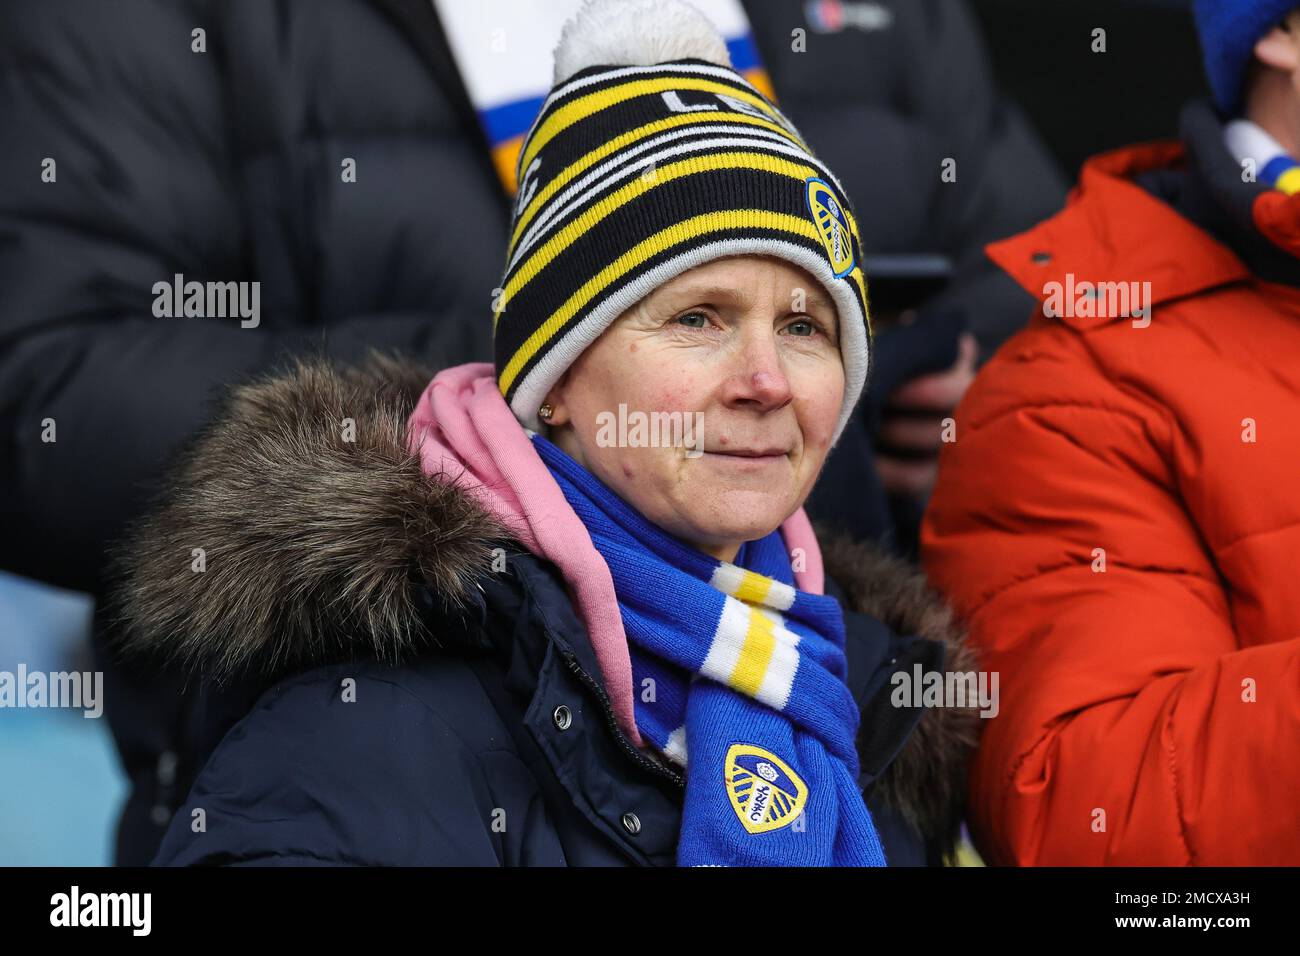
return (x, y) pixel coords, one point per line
(694, 320)
(803, 327)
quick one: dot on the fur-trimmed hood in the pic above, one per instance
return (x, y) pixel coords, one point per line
(296, 525)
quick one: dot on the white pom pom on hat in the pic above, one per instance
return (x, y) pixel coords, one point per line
(636, 33)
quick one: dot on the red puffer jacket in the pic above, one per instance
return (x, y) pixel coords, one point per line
(1118, 520)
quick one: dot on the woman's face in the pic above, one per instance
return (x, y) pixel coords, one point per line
(745, 352)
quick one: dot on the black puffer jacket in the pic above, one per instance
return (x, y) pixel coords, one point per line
(377, 691)
(225, 166)
(221, 166)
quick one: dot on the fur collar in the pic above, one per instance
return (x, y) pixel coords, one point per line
(280, 543)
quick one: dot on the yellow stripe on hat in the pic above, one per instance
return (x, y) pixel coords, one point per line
(674, 235)
(585, 106)
(536, 204)
(755, 653)
(620, 197)
(859, 280)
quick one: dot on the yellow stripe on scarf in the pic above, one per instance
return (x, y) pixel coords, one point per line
(1289, 181)
(753, 588)
(755, 653)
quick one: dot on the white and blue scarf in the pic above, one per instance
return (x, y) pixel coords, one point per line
(746, 674)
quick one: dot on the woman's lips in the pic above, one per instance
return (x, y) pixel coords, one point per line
(742, 456)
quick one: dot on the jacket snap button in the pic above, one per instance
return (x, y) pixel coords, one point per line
(631, 823)
(563, 717)
(166, 769)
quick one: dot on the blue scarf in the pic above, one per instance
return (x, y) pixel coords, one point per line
(746, 674)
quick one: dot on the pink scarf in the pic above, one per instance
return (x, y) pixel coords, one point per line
(465, 433)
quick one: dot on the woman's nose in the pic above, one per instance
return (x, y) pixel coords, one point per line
(758, 379)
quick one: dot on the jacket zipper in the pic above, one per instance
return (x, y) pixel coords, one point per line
(627, 745)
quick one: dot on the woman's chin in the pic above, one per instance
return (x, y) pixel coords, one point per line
(736, 514)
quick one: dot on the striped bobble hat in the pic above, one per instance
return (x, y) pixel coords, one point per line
(652, 156)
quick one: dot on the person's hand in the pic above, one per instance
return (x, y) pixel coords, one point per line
(911, 423)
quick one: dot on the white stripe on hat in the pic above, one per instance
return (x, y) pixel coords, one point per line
(556, 204)
(570, 86)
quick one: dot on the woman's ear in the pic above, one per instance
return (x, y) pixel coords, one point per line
(560, 414)
(1280, 47)
(560, 422)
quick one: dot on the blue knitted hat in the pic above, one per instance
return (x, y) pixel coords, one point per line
(1229, 30)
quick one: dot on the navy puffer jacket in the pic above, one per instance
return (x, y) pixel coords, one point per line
(375, 689)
